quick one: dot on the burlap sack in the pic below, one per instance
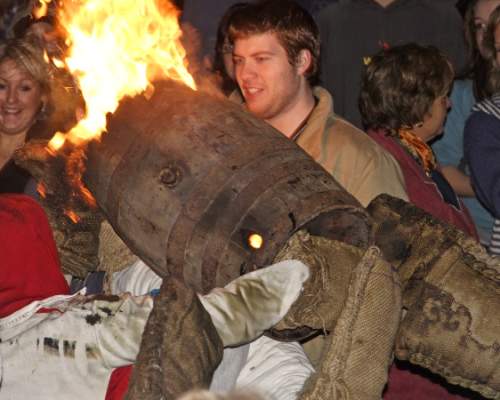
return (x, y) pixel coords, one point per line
(358, 352)
(113, 254)
(453, 324)
(451, 293)
(331, 264)
(74, 222)
(180, 347)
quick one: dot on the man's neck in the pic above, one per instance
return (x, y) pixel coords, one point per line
(291, 120)
(384, 3)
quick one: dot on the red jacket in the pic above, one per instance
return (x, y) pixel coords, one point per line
(422, 190)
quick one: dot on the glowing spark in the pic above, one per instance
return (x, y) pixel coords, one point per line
(255, 241)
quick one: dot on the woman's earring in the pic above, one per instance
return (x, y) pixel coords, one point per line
(42, 113)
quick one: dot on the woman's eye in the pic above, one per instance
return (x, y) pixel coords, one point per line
(26, 88)
(479, 27)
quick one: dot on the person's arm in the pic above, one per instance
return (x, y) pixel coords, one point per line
(449, 148)
(458, 180)
(482, 152)
(240, 312)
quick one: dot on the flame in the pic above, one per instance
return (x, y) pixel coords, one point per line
(117, 48)
(73, 216)
(40, 188)
(41, 9)
(56, 142)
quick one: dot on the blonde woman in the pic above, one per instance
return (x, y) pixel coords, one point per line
(24, 97)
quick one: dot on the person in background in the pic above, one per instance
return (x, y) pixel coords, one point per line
(223, 59)
(315, 6)
(24, 98)
(482, 133)
(404, 101)
(276, 59)
(352, 30)
(449, 148)
(204, 16)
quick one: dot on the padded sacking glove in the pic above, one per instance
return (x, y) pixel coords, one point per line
(255, 302)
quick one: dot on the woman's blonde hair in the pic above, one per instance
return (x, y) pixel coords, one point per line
(29, 56)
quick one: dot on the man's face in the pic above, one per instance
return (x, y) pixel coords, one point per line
(269, 84)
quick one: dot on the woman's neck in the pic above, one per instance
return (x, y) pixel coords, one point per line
(9, 144)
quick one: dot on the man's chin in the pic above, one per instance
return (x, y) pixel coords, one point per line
(257, 110)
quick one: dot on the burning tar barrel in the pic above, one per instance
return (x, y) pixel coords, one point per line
(197, 187)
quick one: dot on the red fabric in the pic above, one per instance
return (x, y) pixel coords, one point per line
(408, 382)
(29, 262)
(422, 191)
(118, 383)
(30, 268)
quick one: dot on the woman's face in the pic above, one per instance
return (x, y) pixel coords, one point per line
(21, 98)
(482, 12)
(433, 122)
(497, 44)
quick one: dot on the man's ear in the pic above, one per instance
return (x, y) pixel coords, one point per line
(304, 61)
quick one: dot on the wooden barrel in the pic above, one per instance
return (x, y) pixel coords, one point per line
(186, 179)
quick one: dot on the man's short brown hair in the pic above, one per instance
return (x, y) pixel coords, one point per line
(400, 84)
(294, 27)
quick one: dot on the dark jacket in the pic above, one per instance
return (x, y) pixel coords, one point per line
(353, 30)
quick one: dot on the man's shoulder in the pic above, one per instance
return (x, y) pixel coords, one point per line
(345, 135)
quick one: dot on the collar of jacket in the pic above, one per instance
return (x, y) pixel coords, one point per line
(317, 119)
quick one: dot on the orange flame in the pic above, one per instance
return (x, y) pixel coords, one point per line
(40, 188)
(72, 216)
(41, 9)
(117, 48)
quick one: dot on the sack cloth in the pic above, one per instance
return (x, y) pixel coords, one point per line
(180, 347)
(356, 358)
(354, 297)
(451, 291)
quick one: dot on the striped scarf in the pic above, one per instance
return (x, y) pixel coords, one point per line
(491, 106)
